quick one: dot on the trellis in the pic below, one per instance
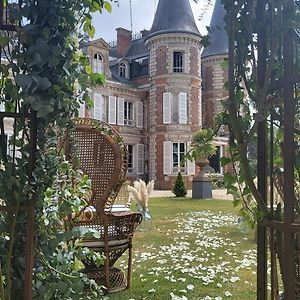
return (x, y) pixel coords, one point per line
(277, 238)
(289, 228)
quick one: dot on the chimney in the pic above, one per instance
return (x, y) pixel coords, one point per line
(144, 32)
(123, 41)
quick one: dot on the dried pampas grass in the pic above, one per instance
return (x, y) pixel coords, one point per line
(140, 192)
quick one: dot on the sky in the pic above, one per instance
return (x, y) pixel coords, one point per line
(142, 16)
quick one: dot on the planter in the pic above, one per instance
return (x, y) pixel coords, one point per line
(201, 186)
(201, 164)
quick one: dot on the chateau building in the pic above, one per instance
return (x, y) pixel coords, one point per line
(161, 88)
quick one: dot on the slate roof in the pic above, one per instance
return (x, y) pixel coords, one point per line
(137, 49)
(218, 36)
(173, 16)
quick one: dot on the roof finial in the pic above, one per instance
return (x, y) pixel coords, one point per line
(131, 27)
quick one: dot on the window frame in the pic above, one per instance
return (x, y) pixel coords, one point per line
(128, 109)
(178, 61)
(123, 70)
(176, 168)
(98, 63)
(130, 159)
(219, 154)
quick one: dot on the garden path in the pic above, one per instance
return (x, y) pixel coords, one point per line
(217, 194)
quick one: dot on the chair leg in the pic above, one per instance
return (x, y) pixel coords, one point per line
(106, 270)
(129, 271)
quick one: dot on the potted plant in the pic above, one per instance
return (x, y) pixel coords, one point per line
(202, 148)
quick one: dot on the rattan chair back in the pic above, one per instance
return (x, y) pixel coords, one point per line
(101, 154)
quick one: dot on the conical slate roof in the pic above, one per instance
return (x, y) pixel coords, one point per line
(218, 36)
(173, 16)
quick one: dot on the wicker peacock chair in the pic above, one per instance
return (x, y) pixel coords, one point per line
(100, 151)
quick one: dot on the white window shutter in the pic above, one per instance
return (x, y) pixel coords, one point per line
(98, 107)
(81, 112)
(112, 110)
(139, 114)
(167, 108)
(168, 157)
(120, 111)
(190, 164)
(140, 159)
(182, 108)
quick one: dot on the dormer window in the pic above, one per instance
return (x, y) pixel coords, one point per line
(98, 63)
(177, 61)
(122, 70)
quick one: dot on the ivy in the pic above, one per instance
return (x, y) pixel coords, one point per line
(253, 99)
(46, 72)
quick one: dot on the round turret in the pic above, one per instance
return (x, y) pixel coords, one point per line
(175, 90)
(213, 72)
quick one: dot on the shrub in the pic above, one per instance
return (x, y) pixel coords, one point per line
(179, 188)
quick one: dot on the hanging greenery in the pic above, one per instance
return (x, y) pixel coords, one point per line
(45, 71)
(255, 110)
(254, 98)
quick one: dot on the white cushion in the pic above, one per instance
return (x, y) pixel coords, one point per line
(100, 243)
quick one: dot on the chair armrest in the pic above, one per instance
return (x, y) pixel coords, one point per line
(126, 222)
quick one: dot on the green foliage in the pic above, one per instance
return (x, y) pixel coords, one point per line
(254, 99)
(179, 188)
(202, 146)
(45, 74)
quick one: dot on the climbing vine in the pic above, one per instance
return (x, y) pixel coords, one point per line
(255, 109)
(44, 71)
(253, 97)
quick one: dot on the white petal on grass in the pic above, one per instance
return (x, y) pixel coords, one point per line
(234, 279)
(227, 294)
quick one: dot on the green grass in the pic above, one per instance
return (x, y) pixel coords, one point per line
(190, 240)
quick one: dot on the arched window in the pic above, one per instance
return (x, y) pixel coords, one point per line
(98, 63)
(122, 70)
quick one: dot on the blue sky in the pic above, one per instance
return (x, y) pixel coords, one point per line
(143, 14)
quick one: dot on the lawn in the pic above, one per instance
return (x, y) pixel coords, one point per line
(196, 249)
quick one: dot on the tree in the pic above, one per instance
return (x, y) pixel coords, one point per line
(179, 188)
(263, 106)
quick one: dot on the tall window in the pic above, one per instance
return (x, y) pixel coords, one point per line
(179, 150)
(98, 63)
(122, 70)
(215, 160)
(130, 158)
(177, 62)
(128, 113)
